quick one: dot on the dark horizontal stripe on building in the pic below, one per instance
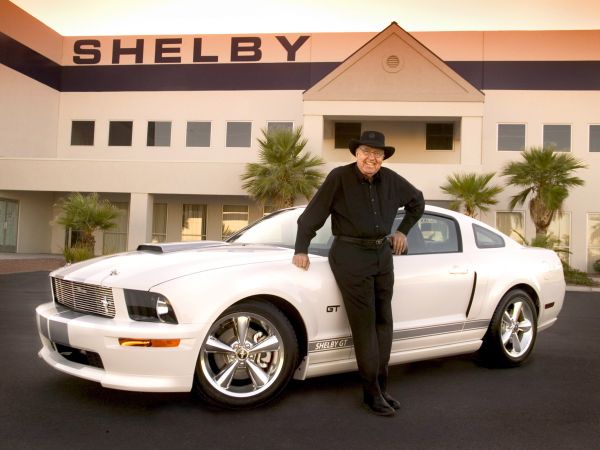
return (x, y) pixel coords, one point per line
(21, 58)
(490, 75)
(194, 77)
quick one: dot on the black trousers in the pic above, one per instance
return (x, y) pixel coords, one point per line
(365, 277)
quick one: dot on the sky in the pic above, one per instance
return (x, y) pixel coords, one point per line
(138, 17)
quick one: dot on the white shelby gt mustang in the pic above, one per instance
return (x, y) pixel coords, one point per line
(236, 320)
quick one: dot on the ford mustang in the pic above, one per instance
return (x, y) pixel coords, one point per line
(234, 321)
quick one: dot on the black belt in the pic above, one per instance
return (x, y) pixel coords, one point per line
(363, 242)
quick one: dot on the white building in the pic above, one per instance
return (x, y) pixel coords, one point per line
(163, 126)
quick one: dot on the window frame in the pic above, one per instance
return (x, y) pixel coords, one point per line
(154, 138)
(223, 218)
(588, 247)
(347, 136)
(231, 122)
(110, 123)
(440, 135)
(280, 122)
(522, 214)
(499, 124)
(570, 149)
(93, 130)
(187, 133)
(590, 138)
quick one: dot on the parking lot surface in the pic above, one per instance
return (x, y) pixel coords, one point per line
(552, 402)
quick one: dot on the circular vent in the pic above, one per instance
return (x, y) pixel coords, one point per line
(393, 63)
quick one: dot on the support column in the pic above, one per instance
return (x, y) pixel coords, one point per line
(140, 219)
(471, 140)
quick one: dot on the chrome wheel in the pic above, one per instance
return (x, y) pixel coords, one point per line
(517, 328)
(243, 355)
(512, 332)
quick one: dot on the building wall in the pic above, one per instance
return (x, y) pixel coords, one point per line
(48, 81)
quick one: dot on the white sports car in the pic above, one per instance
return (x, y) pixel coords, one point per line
(236, 320)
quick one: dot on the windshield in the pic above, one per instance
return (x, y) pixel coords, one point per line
(279, 228)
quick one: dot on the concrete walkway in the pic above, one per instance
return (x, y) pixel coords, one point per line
(22, 262)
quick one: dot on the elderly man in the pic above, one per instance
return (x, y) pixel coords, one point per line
(363, 199)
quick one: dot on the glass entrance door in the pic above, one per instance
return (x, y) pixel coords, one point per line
(9, 215)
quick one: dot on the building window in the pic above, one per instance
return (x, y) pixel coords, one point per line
(198, 134)
(280, 126)
(511, 224)
(558, 137)
(344, 132)
(120, 133)
(511, 137)
(159, 134)
(560, 229)
(159, 222)
(115, 239)
(193, 227)
(238, 134)
(82, 132)
(439, 136)
(593, 240)
(235, 217)
(594, 138)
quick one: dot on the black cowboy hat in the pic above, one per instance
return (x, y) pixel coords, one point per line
(373, 139)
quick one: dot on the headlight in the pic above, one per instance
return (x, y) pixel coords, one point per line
(149, 307)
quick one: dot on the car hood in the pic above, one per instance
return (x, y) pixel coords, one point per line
(145, 269)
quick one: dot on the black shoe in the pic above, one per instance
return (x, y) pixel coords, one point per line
(391, 401)
(377, 405)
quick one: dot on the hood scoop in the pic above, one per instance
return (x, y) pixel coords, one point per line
(179, 246)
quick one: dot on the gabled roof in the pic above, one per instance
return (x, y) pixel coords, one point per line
(394, 66)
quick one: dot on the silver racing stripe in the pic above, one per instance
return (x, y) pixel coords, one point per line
(413, 333)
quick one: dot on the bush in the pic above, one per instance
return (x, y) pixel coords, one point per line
(77, 253)
(574, 276)
(596, 266)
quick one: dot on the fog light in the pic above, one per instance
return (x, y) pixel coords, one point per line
(138, 342)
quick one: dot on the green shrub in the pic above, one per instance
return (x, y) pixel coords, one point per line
(77, 253)
(574, 276)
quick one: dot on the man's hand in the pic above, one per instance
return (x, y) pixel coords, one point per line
(301, 260)
(398, 243)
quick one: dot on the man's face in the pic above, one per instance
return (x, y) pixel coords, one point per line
(369, 159)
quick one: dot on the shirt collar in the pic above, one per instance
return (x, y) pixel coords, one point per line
(364, 179)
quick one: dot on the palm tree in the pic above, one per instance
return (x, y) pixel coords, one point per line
(546, 177)
(87, 213)
(282, 173)
(471, 192)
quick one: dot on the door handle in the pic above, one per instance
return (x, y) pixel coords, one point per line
(459, 270)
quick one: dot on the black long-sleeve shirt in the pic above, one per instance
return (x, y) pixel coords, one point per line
(359, 207)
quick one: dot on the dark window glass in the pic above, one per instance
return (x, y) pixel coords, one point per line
(344, 131)
(277, 126)
(511, 137)
(439, 136)
(558, 137)
(119, 133)
(159, 134)
(594, 138)
(239, 134)
(485, 238)
(82, 132)
(198, 134)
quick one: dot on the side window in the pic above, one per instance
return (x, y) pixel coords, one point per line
(485, 238)
(432, 234)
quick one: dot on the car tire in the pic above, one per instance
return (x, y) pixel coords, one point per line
(511, 335)
(248, 356)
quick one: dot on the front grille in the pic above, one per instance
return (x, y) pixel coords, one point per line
(82, 297)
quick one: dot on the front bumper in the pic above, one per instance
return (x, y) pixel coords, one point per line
(87, 346)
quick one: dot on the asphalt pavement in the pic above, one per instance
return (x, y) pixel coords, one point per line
(552, 402)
